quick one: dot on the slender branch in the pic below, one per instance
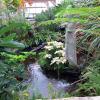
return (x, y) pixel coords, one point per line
(78, 81)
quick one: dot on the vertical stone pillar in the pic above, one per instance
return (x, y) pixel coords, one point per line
(70, 44)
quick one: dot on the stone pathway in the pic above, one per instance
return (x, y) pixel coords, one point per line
(81, 98)
(76, 98)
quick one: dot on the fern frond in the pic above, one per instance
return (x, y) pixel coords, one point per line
(95, 44)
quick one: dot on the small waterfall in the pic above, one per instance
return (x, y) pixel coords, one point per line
(43, 86)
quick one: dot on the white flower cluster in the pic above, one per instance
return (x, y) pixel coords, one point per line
(58, 54)
(54, 44)
(48, 47)
(48, 56)
(58, 60)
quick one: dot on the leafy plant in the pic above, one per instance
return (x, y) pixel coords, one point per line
(12, 4)
(91, 86)
(10, 72)
(53, 58)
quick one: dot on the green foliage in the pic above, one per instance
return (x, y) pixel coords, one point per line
(79, 14)
(92, 85)
(50, 13)
(89, 17)
(13, 58)
(12, 5)
(11, 44)
(51, 22)
(44, 36)
(44, 16)
(19, 28)
(47, 20)
(91, 38)
(9, 73)
(10, 70)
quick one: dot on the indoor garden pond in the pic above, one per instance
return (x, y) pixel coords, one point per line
(49, 49)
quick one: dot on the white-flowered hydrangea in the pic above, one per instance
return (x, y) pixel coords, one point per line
(60, 52)
(58, 60)
(56, 44)
(48, 47)
(55, 60)
(63, 60)
(64, 49)
(49, 43)
(48, 56)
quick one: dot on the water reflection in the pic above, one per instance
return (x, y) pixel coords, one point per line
(41, 85)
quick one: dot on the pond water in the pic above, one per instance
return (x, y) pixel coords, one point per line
(45, 87)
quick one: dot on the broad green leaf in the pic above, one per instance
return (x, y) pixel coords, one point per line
(12, 44)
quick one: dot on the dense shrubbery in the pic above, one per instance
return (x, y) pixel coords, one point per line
(52, 57)
(19, 28)
(12, 70)
(91, 86)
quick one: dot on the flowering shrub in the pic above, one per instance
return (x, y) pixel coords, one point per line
(54, 56)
